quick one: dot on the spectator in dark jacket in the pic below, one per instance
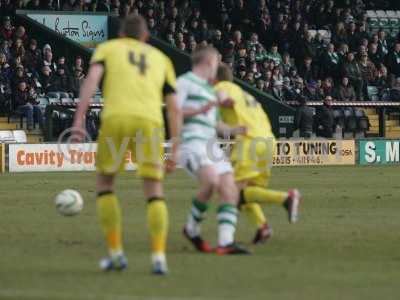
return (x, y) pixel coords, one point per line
(60, 82)
(32, 56)
(76, 81)
(305, 119)
(393, 60)
(325, 119)
(351, 69)
(346, 91)
(374, 55)
(312, 92)
(330, 62)
(25, 102)
(308, 70)
(45, 78)
(7, 30)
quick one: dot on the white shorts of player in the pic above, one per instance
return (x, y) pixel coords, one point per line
(197, 154)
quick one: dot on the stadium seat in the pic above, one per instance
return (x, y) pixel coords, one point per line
(373, 93)
(391, 13)
(371, 14)
(312, 33)
(20, 136)
(53, 95)
(350, 120)
(373, 23)
(338, 116)
(383, 23)
(67, 101)
(362, 120)
(381, 14)
(54, 100)
(6, 136)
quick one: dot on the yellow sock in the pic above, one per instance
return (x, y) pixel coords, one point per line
(157, 219)
(263, 195)
(109, 214)
(254, 213)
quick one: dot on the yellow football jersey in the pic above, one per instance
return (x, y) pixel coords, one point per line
(136, 75)
(245, 112)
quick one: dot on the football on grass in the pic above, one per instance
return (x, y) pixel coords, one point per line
(69, 202)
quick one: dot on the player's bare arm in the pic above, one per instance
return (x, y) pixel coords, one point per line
(225, 129)
(174, 115)
(191, 112)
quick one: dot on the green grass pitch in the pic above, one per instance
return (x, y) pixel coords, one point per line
(346, 245)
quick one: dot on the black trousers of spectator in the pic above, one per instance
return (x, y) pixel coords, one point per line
(358, 84)
(326, 132)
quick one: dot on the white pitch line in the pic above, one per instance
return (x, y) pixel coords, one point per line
(40, 294)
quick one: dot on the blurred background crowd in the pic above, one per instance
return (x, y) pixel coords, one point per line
(295, 50)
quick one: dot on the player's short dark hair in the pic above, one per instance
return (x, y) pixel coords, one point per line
(201, 53)
(134, 26)
(224, 73)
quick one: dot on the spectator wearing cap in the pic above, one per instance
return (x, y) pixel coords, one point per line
(25, 102)
(308, 70)
(393, 60)
(351, 69)
(7, 30)
(312, 91)
(304, 119)
(346, 91)
(325, 119)
(374, 55)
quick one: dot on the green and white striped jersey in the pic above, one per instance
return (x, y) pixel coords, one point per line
(195, 92)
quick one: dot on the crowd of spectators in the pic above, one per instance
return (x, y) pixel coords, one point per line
(273, 45)
(27, 71)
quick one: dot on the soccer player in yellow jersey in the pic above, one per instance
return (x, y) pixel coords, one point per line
(136, 78)
(252, 154)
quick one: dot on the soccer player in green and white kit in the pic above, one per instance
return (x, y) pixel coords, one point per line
(201, 156)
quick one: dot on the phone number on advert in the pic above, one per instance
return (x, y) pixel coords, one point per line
(297, 160)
